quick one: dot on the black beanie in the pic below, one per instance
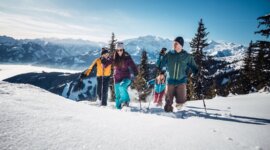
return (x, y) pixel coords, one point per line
(104, 52)
(180, 40)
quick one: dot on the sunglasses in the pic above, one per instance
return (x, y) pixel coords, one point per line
(119, 50)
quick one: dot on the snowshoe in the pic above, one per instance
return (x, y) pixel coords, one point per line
(125, 106)
(179, 106)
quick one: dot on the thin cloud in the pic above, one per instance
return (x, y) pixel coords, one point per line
(22, 25)
(34, 10)
(52, 11)
(37, 22)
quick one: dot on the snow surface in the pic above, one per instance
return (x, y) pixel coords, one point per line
(32, 118)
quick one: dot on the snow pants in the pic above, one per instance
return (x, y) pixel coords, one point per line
(177, 91)
(121, 93)
(158, 97)
(102, 89)
(159, 92)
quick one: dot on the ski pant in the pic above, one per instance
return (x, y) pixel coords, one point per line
(102, 89)
(158, 97)
(177, 91)
(121, 93)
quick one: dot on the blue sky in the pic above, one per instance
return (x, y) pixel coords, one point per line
(95, 20)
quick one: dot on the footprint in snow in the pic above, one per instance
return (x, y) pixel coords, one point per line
(229, 139)
(258, 148)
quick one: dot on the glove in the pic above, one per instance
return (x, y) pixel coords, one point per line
(163, 51)
(132, 77)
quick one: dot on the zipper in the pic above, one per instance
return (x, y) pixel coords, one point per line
(174, 71)
(178, 71)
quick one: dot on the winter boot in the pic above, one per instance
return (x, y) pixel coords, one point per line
(98, 102)
(125, 104)
(159, 104)
(168, 108)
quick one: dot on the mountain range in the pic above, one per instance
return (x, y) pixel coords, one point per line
(78, 54)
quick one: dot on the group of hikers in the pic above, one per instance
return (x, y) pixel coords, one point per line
(173, 67)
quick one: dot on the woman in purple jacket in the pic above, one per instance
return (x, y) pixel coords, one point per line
(124, 67)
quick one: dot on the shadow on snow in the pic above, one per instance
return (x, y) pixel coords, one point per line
(215, 114)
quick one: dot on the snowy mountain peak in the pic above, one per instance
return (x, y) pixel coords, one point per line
(152, 44)
(224, 49)
(70, 41)
(212, 42)
(150, 38)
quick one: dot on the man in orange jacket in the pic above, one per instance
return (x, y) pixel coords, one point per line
(103, 75)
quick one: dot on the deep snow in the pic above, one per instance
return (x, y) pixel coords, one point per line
(32, 118)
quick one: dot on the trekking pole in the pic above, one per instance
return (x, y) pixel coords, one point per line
(148, 108)
(140, 102)
(201, 91)
(152, 92)
(204, 105)
(79, 83)
(102, 84)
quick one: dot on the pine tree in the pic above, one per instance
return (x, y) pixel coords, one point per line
(198, 43)
(265, 21)
(246, 73)
(261, 70)
(112, 44)
(262, 61)
(140, 85)
(140, 82)
(144, 66)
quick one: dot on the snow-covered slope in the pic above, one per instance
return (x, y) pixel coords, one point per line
(58, 81)
(32, 118)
